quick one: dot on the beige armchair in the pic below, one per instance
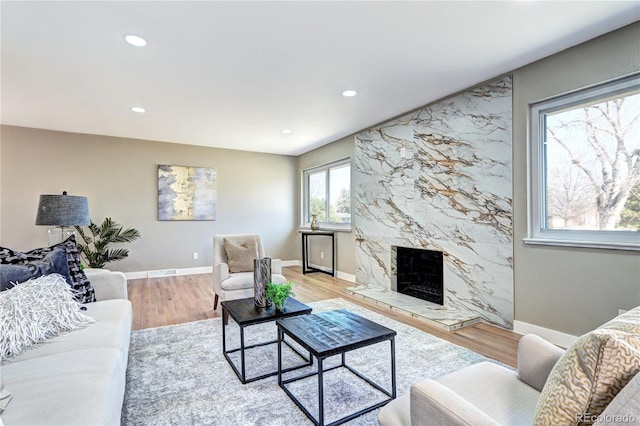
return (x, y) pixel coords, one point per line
(233, 271)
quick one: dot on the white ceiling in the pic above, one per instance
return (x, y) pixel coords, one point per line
(234, 74)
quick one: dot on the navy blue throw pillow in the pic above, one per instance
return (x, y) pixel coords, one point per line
(83, 289)
(54, 262)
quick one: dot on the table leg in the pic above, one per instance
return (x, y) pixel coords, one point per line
(242, 367)
(280, 337)
(333, 255)
(393, 367)
(224, 336)
(320, 394)
(304, 254)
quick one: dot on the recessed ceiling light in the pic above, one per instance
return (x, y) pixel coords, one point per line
(349, 93)
(138, 109)
(287, 131)
(135, 40)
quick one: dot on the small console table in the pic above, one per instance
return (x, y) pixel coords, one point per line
(305, 252)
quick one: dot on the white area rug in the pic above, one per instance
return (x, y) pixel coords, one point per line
(177, 375)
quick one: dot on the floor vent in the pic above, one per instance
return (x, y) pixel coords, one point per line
(162, 273)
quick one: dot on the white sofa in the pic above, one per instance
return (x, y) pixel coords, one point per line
(76, 378)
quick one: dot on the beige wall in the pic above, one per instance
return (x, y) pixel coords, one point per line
(571, 290)
(345, 241)
(255, 193)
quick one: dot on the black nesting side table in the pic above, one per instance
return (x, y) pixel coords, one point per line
(334, 333)
(245, 313)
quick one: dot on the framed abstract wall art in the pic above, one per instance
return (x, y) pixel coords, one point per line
(186, 193)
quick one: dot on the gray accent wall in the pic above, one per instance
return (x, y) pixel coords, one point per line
(119, 176)
(572, 290)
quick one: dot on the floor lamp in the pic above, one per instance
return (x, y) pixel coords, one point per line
(64, 212)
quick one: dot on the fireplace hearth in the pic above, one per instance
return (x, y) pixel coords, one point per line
(419, 273)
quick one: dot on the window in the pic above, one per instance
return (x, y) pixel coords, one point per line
(327, 194)
(585, 168)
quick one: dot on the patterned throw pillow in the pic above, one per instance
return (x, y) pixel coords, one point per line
(36, 311)
(241, 254)
(83, 289)
(54, 262)
(591, 373)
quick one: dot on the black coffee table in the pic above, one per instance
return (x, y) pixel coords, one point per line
(245, 313)
(334, 333)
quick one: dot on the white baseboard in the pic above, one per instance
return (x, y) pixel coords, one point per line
(208, 269)
(342, 275)
(198, 270)
(136, 275)
(556, 337)
(347, 277)
(168, 272)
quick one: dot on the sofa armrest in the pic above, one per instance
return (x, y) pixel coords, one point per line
(435, 404)
(276, 266)
(107, 284)
(536, 358)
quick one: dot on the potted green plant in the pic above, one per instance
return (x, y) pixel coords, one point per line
(94, 248)
(279, 293)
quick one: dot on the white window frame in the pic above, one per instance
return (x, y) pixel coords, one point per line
(306, 219)
(538, 233)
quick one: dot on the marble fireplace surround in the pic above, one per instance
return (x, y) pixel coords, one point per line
(440, 179)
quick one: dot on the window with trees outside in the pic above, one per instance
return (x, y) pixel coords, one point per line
(327, 194)
(585, 167)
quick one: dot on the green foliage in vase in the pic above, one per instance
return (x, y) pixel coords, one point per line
(94, 248)
(279, 293)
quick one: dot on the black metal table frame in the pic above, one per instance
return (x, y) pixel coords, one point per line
(320, 421)
(305, 252)
(242, 373)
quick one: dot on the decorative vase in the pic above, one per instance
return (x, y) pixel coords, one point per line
(261, 276)
(314, 222)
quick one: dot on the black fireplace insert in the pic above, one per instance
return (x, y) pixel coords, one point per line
(419, 274)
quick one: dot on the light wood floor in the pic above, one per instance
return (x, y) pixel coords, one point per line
(174, 300)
